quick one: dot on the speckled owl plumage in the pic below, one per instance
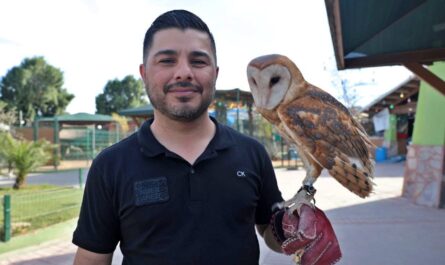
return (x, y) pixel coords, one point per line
(323, 130)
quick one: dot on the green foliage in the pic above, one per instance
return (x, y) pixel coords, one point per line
(265, 132)
(122, 121)
(6, 145)
(24, 156)
(7, 117)
(120, 94)
(35, 87)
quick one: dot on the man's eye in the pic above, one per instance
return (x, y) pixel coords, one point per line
(167, 61)
(199, 62)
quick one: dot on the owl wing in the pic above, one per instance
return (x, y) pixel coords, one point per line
(323, 127)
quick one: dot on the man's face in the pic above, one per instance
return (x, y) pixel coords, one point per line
(180, 73)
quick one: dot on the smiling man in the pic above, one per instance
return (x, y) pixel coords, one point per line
(184, 189)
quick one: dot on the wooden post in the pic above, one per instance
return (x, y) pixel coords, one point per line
(427, 76)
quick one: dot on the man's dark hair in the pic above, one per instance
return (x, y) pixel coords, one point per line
(181, 19)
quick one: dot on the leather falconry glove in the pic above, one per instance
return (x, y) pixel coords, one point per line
(308, 235)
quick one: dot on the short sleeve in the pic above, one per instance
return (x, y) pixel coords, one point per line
(98, 225)
(270, 194)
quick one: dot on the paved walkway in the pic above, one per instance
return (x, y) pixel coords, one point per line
(382, 229)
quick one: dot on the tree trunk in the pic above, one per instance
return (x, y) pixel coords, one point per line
(20, 181)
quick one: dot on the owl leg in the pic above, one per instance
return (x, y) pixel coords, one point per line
(305, 194)
(313, 170)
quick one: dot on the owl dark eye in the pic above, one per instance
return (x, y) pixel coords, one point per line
(274, 80)
(253, 81)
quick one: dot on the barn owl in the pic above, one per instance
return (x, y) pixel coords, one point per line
(324, 132)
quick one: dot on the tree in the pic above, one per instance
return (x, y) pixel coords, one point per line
(25, 156)
(122, 121)
(6, 141)
(7, 117)
(120, 94)
(347, 82)
(349, 97)
(35, 87)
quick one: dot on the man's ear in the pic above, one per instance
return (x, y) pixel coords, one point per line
(142, 71)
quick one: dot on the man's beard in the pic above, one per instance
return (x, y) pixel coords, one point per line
(184, 113)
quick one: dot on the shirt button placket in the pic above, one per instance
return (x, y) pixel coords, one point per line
(197, 189)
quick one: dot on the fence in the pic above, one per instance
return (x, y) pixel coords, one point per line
(80, 142)
(84, 143)
(23, 212)
(76, 142)
(256, 126)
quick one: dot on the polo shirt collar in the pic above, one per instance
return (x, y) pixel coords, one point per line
(148, 143)
(151, 147)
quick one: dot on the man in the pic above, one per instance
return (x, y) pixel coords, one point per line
(183, 189)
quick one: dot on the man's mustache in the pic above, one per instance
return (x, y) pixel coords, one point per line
(167, 88)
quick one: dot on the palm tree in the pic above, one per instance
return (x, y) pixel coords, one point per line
(26, 156)
(6, 145)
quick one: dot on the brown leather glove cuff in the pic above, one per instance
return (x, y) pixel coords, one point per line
(276, 222)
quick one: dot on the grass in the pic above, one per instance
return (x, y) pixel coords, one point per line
(39, 206)
(60, 231)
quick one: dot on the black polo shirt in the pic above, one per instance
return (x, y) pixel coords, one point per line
(163, 210)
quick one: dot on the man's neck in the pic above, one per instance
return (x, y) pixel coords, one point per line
(187, 139)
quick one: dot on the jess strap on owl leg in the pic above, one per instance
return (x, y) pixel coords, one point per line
(308, 236)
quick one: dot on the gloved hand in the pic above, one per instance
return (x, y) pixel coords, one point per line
(309, 236)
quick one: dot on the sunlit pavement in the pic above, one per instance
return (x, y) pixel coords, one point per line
(382, 229)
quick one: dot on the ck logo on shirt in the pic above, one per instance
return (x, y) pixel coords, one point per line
(241, 174)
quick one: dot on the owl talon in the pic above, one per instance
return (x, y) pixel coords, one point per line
(305, 195)
(278, 206)
(310, 190)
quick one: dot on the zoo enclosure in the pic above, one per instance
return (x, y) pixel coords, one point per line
(79, 136)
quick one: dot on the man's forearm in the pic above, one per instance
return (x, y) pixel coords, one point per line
(266, 232)
(85, 257)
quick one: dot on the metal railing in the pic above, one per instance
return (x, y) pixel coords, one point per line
(37, 209)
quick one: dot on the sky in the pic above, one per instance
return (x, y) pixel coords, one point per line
(94, 41)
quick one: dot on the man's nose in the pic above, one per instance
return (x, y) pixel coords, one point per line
(183, 71)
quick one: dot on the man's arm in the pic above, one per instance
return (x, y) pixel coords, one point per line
(85, 257)
(266, 232)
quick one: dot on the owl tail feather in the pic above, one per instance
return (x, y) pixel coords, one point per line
(355, 179)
